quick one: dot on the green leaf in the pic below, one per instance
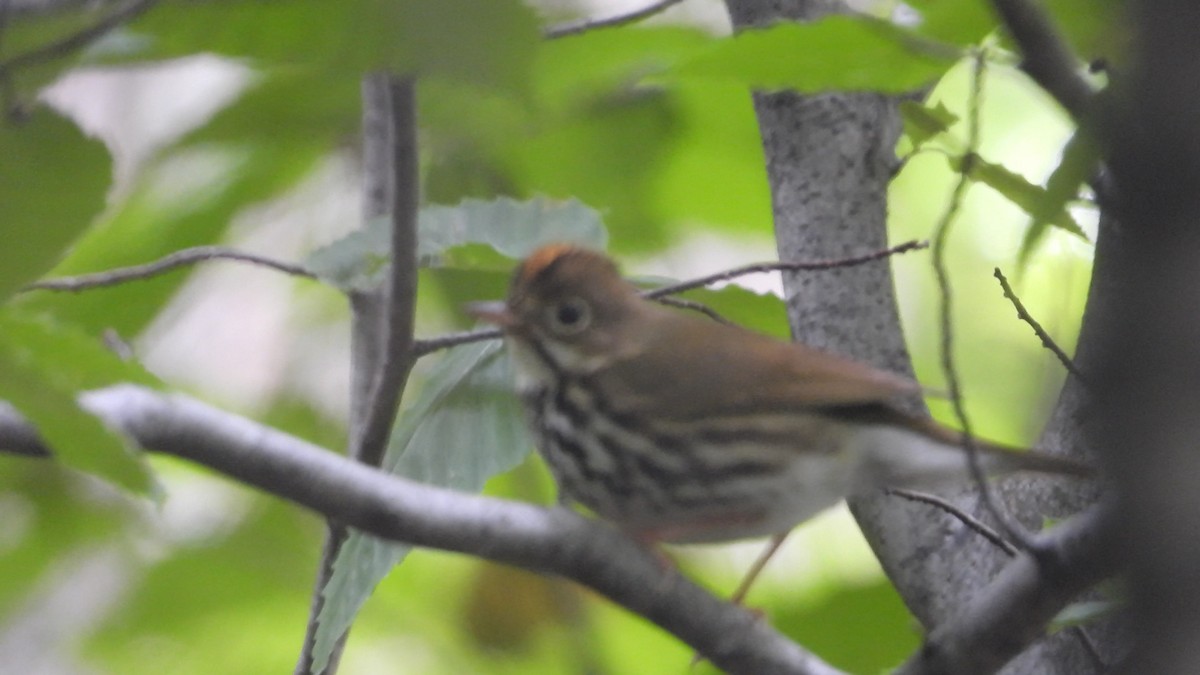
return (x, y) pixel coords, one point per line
(760, 312)
(43, 368)
(187, 200)
(513, 228)
(53, 182)
(1016, 188)
(510, 227)
(490, 42)
(838, 52)
(1080, 158)
(465, 427)
(966, 22)
(922, 122)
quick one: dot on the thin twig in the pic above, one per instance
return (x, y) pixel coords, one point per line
(383, 320)
(77, 40)
(187, 256)
(584, 25)
(1047, 57)
(1047, 341)
(941, 234)
(694, 306)
(428, 346)
(965, 518)
(784, 267)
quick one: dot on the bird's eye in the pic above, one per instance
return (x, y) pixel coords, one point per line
(570, 316)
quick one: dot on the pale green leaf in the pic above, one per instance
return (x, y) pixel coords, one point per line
(836, 53)
(53, 182)
(465, 427)
(512, 228)
(1079, 161)
(42, 370)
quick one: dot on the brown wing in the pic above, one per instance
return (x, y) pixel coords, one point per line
(683, 367)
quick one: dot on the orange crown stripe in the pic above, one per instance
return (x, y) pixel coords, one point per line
(543, 258)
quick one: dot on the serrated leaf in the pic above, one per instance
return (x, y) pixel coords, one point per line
(512, 228)
(922, 122)
(1080, 157)
(465, 427)
(41, 372)
(837, 53)
(53, 182)
(1016, 188)
(357, 260)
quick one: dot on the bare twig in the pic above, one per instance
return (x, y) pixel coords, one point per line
(784, 267)
(383, 346)
(182, 258)
(1047, 341)
(1047, 58)
(692, 305)
(75, 41)
(430, 345)
(584, 25)
(965, 518)
(945, 292)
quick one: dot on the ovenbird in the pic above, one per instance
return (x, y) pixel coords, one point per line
(683, 429)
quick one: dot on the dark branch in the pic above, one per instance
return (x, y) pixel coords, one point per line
(584, 25)
(1013, 610)
(965, 518)
(187, 256)
(1047, 58)
(785, 267)
(693, 306)
(941, 235)
(1047, 341)
(399, 309)
(423, 347)
(383, 318)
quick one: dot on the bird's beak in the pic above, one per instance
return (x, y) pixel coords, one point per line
(495, 313)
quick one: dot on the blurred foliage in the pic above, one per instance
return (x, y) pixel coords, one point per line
(647, 128)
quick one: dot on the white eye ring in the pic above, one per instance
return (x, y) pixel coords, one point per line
(570, 316)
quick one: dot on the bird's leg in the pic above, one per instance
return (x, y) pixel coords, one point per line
(763, 558)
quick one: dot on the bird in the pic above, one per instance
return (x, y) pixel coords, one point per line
(680, 429)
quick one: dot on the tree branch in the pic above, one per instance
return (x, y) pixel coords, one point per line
(383, 347)
(1012, 529)
(1047, 341)
(755, 268)
(554, 541)
(1047, 58)
(1014, 609)
(398, 313)
(998, 624)
(167, 263)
